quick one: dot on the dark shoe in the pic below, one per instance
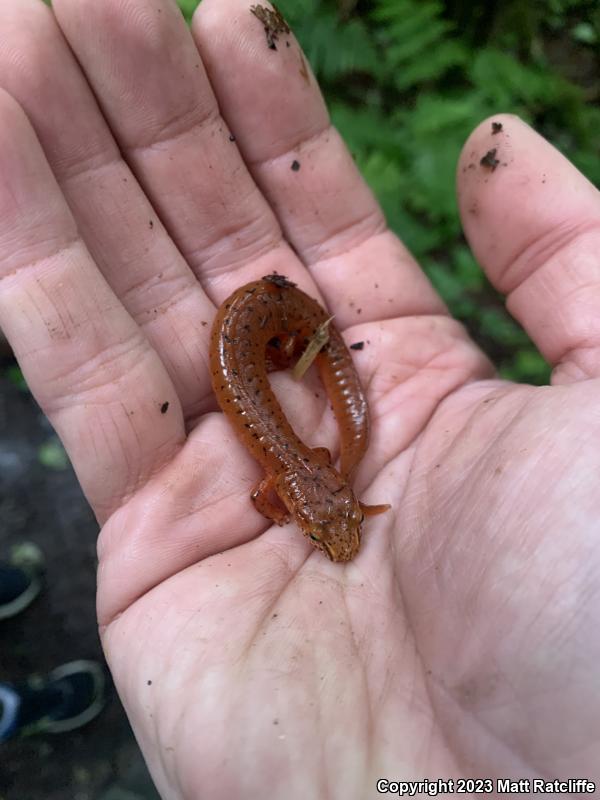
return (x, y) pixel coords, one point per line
(20, 580)
(71, 696)
(83, 690)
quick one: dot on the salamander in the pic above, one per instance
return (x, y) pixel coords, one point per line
(266, 325)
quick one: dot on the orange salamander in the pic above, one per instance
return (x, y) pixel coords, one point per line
(262, 326)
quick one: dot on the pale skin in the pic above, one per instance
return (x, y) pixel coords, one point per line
(463, 639)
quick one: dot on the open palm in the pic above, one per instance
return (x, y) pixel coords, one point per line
(462, 641)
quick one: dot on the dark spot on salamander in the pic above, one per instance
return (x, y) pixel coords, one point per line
(164, 408)
(357, 346)
(496, 127)
(295, 165)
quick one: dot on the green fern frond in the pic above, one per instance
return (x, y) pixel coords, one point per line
(435, 115)
(365, 130)
(422, 40)
(406, 16)
(337, 48)
(441, 58)
(390, 184)
(417, 44)
(297, 11)
(506, 82)
(432, 179)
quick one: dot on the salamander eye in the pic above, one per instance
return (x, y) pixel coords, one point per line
(314, 538)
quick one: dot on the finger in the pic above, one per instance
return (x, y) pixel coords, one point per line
(117, 222)
(145, 69)
(86, 361)
(304, 169)
(534, 224)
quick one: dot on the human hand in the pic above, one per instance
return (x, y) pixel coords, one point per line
(461, 641)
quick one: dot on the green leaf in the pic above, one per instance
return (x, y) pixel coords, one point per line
(584, 33)
(445, 282)
(52, 455)
(188, 7)
(467, 270)
(527, 366)
(15, 376)
(496, 324)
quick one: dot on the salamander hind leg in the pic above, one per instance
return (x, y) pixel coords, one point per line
(262, 503)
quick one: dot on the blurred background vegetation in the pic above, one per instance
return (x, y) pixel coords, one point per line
(407, 81)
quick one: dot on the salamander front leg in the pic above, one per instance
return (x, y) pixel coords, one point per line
(263, 504)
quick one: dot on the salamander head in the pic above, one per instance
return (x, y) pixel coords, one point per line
(326, 511)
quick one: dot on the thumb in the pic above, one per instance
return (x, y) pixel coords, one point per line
(533, 222)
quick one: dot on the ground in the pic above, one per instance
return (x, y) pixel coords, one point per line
(42, 503)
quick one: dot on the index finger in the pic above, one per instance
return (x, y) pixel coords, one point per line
(271, 100)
